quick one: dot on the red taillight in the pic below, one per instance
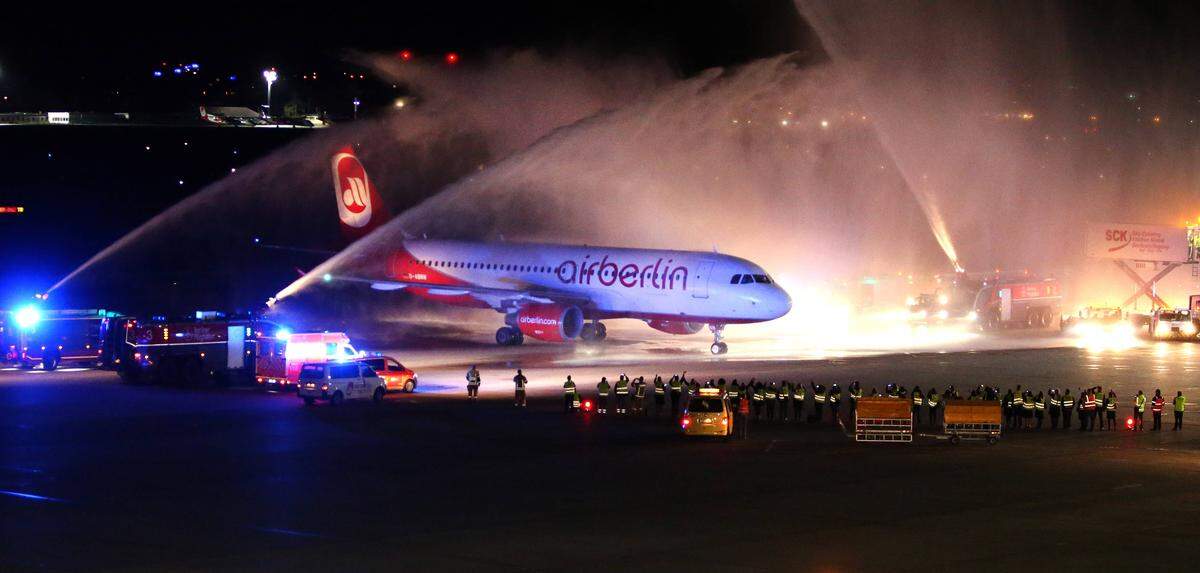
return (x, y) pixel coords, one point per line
(1129, 423)
(685, 422)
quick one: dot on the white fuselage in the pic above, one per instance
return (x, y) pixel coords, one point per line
(612, 282)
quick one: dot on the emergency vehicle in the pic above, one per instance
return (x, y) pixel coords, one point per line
(1018, 304)
(336, 381)
(1178, 323)
(281, 356)
(193, 350)
(54, 338)
(394, 374)
(707, 414)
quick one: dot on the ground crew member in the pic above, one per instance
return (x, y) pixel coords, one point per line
(1027, 409)
(1039, 409)
(676, 390)
(835, 403)
(743, 415)
(1180, 404)
(639, 395)
(733, 392)
(933, 400)
(918, 398)
(1110, 409)
(622, 391)
(1139, 411)
(782, 399)
(855, 393)
(1101, 406)
(769, 400)
(602, 390)
(759, 396)
(891, 391)
(1055, 408)
(1087, 419)
(519, 383)
(660, 395)
(1068, 406)
(1156, 408)
(1006, 404)
(819, 398)
(569, 394)
(1018, 407)
(798, 395)
(473, 383)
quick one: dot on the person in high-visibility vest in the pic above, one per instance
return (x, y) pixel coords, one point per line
(1006, 404)
(1039, 408)
(473, 384)
(818, 391)
(1068, 406)
(602, 391)
(639, 395)
(519, 382)
(1156, 408)
(918, 398)
(1018, 407)
(622, 392)
(1027, 409)
(855, 393)
(759, 396)
(569, 394)
(933, 400)
(1180, 404)
(835, 403)
(742, 420)
(1101, 406)
(660, 394)
(1088, 421)
(1110, 410)
(769, 400)
(676, 386)
(798, 395)
(1139, 411)
(782, 400)
(1055, 407)
(733, 391)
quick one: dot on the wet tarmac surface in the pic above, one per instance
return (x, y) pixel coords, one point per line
(96, 475)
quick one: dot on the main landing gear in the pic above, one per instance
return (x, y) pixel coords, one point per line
(509, 336)
(593, 331)
(718, 346)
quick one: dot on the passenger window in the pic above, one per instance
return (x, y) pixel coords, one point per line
(735, 279)
(747, 279)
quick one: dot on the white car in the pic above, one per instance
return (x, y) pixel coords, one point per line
(339, 381)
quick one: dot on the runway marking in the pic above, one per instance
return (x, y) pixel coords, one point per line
(29, 496)
(288, 532)
(1127, 486)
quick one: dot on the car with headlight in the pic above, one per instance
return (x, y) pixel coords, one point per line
(395, 376)
(707, 414)
(336, 382)
(1177, 323)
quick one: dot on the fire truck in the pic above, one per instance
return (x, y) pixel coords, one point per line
(281, 356)
(208, 346)
(1018, 304)
(53, 338)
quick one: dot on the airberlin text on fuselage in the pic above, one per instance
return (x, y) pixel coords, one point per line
(660, 275)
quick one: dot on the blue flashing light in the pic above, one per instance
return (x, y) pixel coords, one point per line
(195, 66)
(158, 73)
(328, 277)
(28, 316)
(283, 334)
(233, 77)
(177, 71)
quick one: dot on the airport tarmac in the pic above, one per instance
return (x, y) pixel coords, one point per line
(96, 475)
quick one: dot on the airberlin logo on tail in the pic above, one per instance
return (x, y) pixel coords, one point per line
(353, 190)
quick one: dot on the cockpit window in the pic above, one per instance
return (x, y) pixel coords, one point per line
(747, 279)
(764, 279)
(735, 279)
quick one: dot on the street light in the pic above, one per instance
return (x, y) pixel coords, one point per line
(269, 75)
(356, 104)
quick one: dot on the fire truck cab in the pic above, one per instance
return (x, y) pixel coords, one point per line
(54, 338)
(281, 356)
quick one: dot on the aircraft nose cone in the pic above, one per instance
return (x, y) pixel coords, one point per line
(780, 303)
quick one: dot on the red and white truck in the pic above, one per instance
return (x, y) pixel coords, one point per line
(1018, 304)
(281, 355)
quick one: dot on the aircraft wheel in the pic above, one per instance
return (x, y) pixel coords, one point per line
(589, 332)
(504, 336)
(719, 348)
(49, 363)
(601, 331)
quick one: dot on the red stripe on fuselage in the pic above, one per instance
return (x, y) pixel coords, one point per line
(406, 267)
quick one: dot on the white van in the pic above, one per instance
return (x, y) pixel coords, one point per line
(338, 381)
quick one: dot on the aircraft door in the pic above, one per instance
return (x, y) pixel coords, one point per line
(700, 280)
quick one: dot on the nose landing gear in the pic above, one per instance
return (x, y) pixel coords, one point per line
(718, 346)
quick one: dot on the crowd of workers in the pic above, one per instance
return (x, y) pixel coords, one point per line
(787, 402)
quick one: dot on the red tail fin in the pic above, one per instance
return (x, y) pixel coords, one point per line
(359, 206)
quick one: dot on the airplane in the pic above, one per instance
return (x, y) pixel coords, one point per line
(558, 293)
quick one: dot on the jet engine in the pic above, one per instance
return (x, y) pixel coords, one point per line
(550, 322)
